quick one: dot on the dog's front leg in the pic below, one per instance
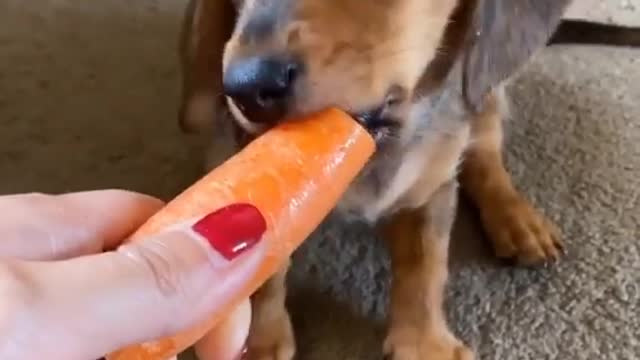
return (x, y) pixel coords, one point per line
(418, 242)
(271, 336)
(516, 229)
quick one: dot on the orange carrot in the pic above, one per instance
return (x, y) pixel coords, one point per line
(294, 173)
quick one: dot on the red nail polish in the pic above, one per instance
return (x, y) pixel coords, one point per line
(232, 229)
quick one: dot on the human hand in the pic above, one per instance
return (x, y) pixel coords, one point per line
(68, 290)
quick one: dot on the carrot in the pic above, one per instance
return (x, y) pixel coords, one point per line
(294, 174)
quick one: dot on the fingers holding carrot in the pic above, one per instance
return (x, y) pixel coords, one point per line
(84, 307)
(294, 175)
(185, 274)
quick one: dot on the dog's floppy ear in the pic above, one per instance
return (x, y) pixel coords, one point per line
(207, 26)
(503, 35)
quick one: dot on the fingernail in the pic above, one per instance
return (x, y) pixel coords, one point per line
(233, 229)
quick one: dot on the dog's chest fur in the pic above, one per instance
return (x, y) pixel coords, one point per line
(406, 173)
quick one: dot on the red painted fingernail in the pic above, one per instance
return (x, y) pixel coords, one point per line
(233, 229)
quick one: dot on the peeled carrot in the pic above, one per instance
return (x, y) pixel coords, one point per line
(294, 174)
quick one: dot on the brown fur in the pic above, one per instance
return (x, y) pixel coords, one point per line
(529, 238)
(418, 242)
(443, 62)
(206, 28)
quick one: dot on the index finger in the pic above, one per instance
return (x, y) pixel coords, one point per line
(54, 227)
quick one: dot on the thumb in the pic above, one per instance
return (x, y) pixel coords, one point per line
(147, 289)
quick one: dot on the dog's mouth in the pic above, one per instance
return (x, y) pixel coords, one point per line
(378, 122)
(381, 121)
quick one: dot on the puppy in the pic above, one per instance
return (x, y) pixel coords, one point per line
(426, 78)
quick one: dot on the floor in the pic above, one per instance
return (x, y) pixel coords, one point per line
(88, 97)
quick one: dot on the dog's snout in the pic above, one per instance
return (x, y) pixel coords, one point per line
(261, 86)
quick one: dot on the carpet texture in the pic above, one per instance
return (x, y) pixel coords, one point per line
(88, 97)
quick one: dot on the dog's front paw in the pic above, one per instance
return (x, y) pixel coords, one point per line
(271, 340)
(519, 232)
(411, 344)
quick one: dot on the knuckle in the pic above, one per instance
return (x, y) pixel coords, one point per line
(159, 265)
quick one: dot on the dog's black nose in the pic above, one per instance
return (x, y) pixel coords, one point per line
(261, 86)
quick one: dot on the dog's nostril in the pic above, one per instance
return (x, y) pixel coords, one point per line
(291, 72)
(261, 84)
(268, 95)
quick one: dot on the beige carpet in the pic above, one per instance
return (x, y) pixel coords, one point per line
(87, 100)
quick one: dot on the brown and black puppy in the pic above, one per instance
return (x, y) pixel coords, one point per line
(425, 77)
